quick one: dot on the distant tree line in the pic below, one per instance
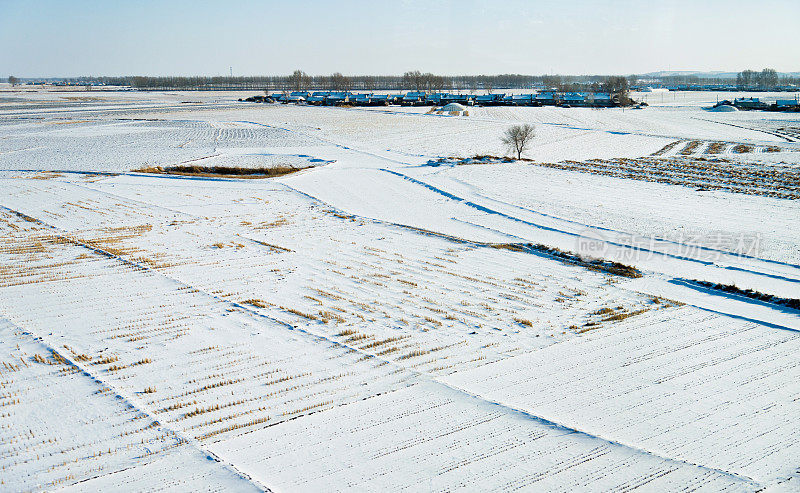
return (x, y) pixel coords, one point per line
(425, 81)
(766, 79)
(412, 80)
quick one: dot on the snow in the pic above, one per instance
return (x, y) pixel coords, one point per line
(368, 324)
(500, 449)
(706, 397)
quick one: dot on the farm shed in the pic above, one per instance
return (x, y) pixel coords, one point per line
(434, 99)
(521, 100)
(489, 99)
(360, 99)
(749, 103)
(546, 98)
(785, 104)
(336, 98)
(413, 98)
(574, 99)
(600, 99)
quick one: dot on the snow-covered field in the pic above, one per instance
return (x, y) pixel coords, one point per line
(376, 322)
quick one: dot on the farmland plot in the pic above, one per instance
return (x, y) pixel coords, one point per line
(682, 212)
(726, 407)
(379, 323)
(63, 426)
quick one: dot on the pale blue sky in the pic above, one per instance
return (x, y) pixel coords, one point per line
(110, 37)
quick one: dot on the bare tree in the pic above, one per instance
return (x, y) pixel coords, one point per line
(439, 82)
(518, 138)
(299, 80)
(413, 79)
(488, 84)
(768, 78)
(427, 81)
(615, 84)
(746, 78)
(340, 82)
(13, 80)
(369, 82)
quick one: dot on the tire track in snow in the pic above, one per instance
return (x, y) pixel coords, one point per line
(574, 235)
(617, 231)
(748, 128)
(562, 231)
(542, 254)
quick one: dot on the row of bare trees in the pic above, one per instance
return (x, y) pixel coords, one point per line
(411, 80)
(766, 79)
(301, 81)
(421, 81)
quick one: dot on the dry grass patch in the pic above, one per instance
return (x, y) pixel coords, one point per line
(221, 171)
(356, 336)
(623, 315)
(326, 316)
(666, 148)
(708, 173)
(413, 354)
(258, 303)
(106, 360)
(607, 266)
(716, 147)
(382, 342)
(301, 314)
(45, 176)
(691, 147)
(793, 303)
